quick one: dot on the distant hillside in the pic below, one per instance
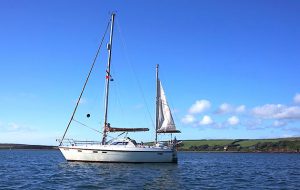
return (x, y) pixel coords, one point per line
(25, 146)
(243, 145)
(235, 145)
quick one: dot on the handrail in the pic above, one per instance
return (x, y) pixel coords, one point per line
(72, 142)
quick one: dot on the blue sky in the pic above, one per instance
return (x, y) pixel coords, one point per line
(229, 68)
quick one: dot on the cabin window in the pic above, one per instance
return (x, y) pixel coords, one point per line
(79, 150)
(95, 151)
(104, 152)
(119, 143)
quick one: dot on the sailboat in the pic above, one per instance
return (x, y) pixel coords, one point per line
(124, 150)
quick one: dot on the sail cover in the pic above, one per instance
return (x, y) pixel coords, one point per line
(114, 129)
(165, 120)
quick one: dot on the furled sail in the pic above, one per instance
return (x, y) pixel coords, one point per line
(115, 129)
(165, 120)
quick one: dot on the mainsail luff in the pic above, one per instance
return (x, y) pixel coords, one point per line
(157, 103)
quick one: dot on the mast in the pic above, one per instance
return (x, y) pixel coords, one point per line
(109, 48)
(157, 103)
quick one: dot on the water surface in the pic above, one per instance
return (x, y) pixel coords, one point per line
(43, 169)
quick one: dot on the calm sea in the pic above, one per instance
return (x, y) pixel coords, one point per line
(40, 169)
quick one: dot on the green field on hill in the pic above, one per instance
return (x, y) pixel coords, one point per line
(246, 145)
(189, 143)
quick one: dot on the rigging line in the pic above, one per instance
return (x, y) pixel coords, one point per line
(117, 136)
(95, 58)
(134, 73)
(87, 126)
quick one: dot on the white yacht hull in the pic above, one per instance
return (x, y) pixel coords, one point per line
(104, 153)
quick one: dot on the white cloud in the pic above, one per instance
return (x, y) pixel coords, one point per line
(233, 120)
(188, 119)
(287, 136)
(292, 112)
(240, 109)
(277, 111)
(206, 120)
(220, 125)
(267, 111)
(253, 124)
(14, 127)
(199, 106)
(279, 123)
(297, 98)
(259, 117)
(293, 129)
(224, 108)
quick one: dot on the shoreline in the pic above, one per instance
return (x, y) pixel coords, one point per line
(8, 146)
(242, 152)
(51, 148)
(279, 145)
(289, 152)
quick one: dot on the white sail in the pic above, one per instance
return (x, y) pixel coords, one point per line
(165, 120)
